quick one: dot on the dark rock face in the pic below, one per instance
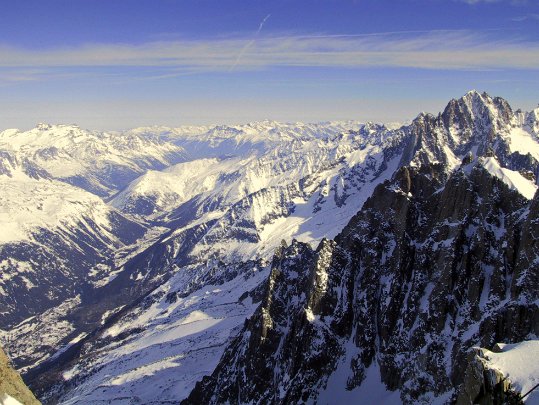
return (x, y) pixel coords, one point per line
(436, 262)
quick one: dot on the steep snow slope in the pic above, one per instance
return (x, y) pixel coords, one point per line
(28, 206)
(52, 234)
(156, 193)
(512, 178)
(157, 352)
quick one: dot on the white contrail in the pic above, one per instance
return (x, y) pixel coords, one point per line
(248, 45)
(262, 24)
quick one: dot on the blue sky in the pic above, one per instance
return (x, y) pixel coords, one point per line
(113, 64)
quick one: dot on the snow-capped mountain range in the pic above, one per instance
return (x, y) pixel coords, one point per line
(135, 263)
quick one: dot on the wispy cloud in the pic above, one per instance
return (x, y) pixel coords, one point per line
(526, 17)
(478, 1)
(512, 2)
(448, 50)
(14, 75)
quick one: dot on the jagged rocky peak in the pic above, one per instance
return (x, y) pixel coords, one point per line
(475, 124)
(478, 115)
(478, 120)
(478, 112)
(532, 121)
(42, 126)
(371, 127)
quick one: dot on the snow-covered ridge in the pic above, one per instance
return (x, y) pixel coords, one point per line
(226, 140)
(257, 130)
(52, 234)
(175, 185)
(100, 162)
(227, 163)
(513, 179)
(28, 205)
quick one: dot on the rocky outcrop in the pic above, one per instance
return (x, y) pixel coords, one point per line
(484, 385)
(12, 384)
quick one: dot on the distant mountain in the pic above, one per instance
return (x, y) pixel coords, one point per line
(99, 162)
(60, 242)
(234, 140)
(233, 205)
